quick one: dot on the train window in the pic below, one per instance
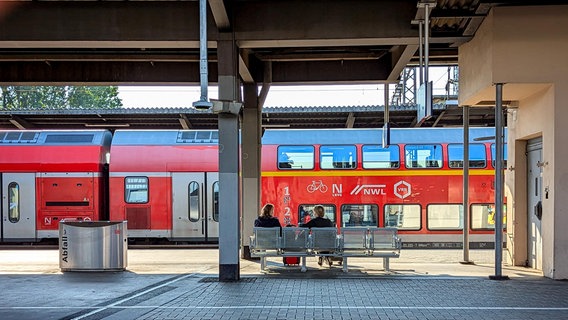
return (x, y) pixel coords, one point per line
(504, 155)
(359, 215)
(403, 216)
(476, 155)
(483, 217)
(445, 216)
(193, 201)
(216, 201)
(338, 157)
(423, 156)
(306, 212)
(296, 157)
(136, 189)
(13, 202)
(377, 157)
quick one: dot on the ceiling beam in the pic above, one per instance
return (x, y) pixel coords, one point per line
(184, 121)
(401, 58)
(350, 120)
(20, 123)
(220, 14)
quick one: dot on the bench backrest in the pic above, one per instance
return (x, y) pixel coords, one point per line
(384, 238)
(324, 239)
(266, 238)
(355, 239)
(294, 239)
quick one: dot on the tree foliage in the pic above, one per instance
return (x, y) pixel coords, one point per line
(59, 97)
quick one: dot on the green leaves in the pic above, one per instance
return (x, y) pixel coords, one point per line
(59, 97)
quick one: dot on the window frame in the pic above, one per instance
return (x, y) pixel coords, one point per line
(391, 162)
(461, 159)
(374, 211)
(301, 213)
(14, 212)
(387, 211)
(127, 193)
(280, 152)
(409, 159)
(352, 163)
(459, 219)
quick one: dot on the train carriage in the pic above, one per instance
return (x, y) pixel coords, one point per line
(415, 184)
(48, 176)
(165, 184)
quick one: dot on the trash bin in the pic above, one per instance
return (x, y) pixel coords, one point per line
(92, 245)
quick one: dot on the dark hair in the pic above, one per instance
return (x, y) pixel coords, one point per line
(267, 210)
(319, 211)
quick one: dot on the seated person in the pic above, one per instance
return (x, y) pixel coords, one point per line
(266, 218)
(320, 221)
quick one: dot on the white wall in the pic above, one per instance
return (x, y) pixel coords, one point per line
(525, 48)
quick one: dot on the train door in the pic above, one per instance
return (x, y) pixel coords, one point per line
(534, 205)
(195, 206)
(18, 207)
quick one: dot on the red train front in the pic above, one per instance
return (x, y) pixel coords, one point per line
(48, 176)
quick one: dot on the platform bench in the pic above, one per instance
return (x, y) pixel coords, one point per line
(303, 242)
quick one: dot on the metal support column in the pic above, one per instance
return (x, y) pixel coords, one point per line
(251, 136)
(203, 102)
(228, 109)
(498, 183)
(466, 186)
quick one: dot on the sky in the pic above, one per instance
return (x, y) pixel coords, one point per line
(278, 96)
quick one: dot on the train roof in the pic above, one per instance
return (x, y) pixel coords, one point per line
(374, 136)
(165, 137)
(56, 137)
(307, 136)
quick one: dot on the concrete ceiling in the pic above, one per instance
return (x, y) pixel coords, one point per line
(280, 41)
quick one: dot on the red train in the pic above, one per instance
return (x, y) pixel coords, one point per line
(165, 182)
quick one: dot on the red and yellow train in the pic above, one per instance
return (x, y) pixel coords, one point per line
(165, 182)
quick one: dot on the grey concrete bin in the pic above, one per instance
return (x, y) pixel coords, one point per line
(92, 245)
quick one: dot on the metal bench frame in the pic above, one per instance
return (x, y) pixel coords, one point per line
(303, 242)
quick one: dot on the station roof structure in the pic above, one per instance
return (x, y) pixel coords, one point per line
(279, 42)
(272, 117)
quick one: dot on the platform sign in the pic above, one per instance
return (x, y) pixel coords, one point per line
(424, 102)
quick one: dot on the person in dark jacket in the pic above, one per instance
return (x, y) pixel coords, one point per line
(266, 218)
(320, 221)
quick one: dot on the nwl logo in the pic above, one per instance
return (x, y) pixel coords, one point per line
(369, 189)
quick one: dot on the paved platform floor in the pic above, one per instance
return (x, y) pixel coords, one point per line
(182, 284)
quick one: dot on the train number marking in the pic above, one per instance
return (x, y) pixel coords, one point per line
(402, 189)
(47, 221)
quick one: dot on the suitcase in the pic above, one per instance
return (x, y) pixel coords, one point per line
(291, 261)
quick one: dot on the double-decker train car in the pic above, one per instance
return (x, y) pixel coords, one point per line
(415, 184)
(48, 176)
(165, 184)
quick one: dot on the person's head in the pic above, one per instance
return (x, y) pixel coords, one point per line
(319, 211)
(267, 210)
